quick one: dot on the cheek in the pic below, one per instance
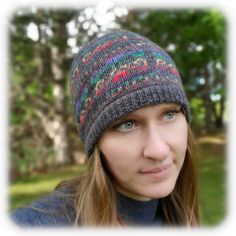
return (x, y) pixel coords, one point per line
(111, 148)
(178, 137)
(116, 147)
(119, 155)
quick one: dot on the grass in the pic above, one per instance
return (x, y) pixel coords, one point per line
(27, 189)
(212, 182)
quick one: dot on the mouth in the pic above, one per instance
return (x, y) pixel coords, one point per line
(158, 172)
(157, 169)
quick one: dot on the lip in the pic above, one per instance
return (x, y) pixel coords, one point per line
(158, 172)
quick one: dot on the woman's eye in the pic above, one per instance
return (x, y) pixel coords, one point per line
(126, 126)
(170, 115)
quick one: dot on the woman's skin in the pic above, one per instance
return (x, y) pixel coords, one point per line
(145, 150)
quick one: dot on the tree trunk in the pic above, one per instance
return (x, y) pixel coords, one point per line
(58, 51)
(51, 69)
(219, 115)
(209, 106)
(209, 122)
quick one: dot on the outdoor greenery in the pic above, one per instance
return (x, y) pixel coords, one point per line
(44, 146)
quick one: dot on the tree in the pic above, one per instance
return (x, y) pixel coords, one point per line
(39, 70)
(39, 103)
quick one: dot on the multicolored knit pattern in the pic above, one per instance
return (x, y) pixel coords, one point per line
(116, 74)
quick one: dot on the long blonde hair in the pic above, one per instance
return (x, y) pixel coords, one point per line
(95, 195)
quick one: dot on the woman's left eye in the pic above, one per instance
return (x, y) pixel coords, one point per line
(170, 115)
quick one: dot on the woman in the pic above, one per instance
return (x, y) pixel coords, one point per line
(133, 116)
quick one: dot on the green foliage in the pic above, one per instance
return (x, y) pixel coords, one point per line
(196, 105)
(33, 89)
(28, 161)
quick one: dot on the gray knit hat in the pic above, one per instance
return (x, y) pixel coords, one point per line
(118, 73)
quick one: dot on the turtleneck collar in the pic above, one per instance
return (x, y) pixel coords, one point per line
(136, 212)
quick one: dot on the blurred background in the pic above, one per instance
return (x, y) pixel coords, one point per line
(44, 145)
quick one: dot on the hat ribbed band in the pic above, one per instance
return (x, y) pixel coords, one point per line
(164, 92)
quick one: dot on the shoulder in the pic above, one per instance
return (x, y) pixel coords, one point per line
(55, 209)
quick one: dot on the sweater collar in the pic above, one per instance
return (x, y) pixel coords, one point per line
(136, 212)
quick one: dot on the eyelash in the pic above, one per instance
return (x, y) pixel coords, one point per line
(175, 111)
(116, 126)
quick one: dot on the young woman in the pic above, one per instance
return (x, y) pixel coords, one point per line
(133, 116)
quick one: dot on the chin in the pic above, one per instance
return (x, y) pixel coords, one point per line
(160, 191)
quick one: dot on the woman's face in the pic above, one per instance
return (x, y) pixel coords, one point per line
(145, 150)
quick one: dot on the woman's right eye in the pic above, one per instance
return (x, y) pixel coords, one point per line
(125, 126)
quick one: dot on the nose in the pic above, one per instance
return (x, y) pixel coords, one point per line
(155, 145)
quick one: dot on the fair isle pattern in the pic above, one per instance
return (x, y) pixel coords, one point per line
(116, 68)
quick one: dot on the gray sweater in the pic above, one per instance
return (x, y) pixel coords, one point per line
(57, 210)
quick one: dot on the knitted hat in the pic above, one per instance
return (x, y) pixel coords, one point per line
(116, 74)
